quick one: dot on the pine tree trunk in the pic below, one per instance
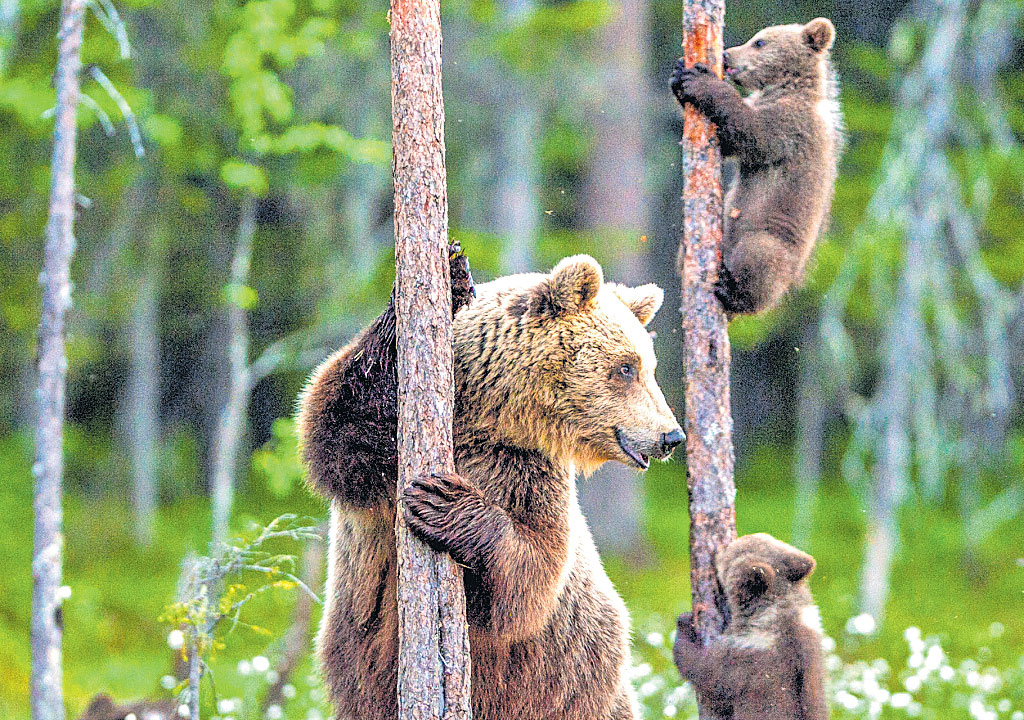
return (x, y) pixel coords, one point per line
(706, 352)
(433, 671)
(47, 675)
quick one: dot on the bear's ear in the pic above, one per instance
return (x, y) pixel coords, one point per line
(819, 34)
(643, 301)
(752, 580)
(797, 565)
(573, 285)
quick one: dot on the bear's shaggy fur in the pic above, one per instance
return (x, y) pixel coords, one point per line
(554, 373)
(767, 664)
(786, 136)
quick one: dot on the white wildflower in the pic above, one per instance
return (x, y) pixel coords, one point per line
(183, 711)
(669, 711)
(175, 639)
(288, 691)
(947, 673)
(274, 712)
(244, 667)
(226, 705)
(900, 700)
(912, 683)
(655, 639)
(260, 664)
(1003, 706)
(996, 629)
(167, 682)
(863, 624)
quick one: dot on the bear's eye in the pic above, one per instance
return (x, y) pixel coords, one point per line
(627, 371)
(759, 43)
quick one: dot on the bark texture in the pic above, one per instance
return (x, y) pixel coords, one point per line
(47, 694)
(434, 665)
(706, 352)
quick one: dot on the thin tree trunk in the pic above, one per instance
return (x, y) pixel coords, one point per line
(144, 404)
(10, 13)
(47, 692)
(231, 425)
(433, 641)
(295, 645)
(618, 212)
(709, 450)
(810, 437)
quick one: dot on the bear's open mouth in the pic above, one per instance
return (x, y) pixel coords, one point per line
(642, 461)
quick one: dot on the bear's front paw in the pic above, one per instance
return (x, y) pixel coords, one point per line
(463, 289)
(689, 83)
(447, 512)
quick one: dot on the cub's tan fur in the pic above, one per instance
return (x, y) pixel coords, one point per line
(554, 373)
(787, 137)
(767, 664)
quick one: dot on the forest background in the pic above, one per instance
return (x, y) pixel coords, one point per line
(234, 226)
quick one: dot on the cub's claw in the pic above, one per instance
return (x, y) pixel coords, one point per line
(686, 81)
(734, 301)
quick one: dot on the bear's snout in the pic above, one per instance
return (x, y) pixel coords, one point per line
(670, 440)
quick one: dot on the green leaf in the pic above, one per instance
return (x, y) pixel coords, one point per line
(239, 175)
(240, 295)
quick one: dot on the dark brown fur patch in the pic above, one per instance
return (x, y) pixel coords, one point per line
(786, 137)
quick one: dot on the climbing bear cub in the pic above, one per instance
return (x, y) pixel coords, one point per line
(767, 664)
(786, 136)
(554, 373)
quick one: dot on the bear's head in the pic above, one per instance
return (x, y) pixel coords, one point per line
(758, 572)
(781, 53)
(561, 363)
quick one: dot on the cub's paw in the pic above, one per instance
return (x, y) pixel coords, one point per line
(687, 83)
(685, 629)
(445, 511)
(463, 289)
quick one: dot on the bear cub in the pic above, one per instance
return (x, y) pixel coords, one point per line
(767, 664)
(786, 137)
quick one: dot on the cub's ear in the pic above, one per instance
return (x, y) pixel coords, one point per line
(752, 580)
(819, 34)
(797, 565)
(573, 285)
(643, 301)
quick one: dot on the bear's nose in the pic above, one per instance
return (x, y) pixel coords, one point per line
(670, 440)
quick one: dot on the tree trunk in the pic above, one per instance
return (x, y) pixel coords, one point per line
(617, 212)
(433, 669)
(47, 693)
(709, 450)
(810, 437)
(231, 425)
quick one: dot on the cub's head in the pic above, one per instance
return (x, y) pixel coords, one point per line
(757, 572)
(562, 363)
(781, 53)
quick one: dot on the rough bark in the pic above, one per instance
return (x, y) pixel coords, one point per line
(47, 693)
(706, 352)
(231, 425)
(433, 672)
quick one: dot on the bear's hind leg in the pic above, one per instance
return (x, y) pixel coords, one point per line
(756, 273)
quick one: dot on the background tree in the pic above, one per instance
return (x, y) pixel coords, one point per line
(48, 556)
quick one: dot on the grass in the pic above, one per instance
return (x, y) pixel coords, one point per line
(113, 642)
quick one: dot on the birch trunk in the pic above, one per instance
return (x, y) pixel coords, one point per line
(231, 425)
(433, 669)
(47, 692)
(706, 352)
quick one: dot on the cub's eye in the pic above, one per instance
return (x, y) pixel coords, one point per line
(759, 43)
(627, 371)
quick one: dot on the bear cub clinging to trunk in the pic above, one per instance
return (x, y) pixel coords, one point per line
(786, 136)
(767, 664)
